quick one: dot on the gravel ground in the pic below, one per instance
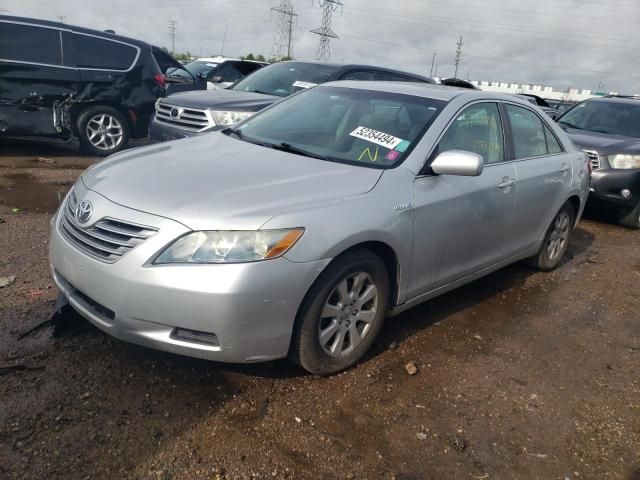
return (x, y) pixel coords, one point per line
(519, 375)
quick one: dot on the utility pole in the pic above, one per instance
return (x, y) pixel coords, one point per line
(433, 61)
(326, 33)
(172, 27)
(224, 39)
(61, 18)
(283, 37)
(458, 55)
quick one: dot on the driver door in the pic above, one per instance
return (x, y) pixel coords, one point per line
(463, 224)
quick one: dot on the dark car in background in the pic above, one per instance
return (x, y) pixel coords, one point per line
(542, 103)
(59, 81)
(210, 73)
(194, 113)
(608, 130)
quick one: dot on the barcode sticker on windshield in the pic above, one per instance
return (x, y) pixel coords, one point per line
(301, 84)
(374, 136)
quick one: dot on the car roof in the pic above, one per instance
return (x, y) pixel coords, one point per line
(426, 90)
(73, 28)
(628, 100)
(342, 67)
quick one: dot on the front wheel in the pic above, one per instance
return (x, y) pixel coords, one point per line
(102, 130)
(631, 219)
(556, 240)
(342, 313)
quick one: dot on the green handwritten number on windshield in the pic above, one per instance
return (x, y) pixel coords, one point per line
(368, 152)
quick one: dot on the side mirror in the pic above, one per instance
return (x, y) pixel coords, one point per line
(458, 162)
(200, 76)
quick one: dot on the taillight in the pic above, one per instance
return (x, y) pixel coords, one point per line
(160, 79)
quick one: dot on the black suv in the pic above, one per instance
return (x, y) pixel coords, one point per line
(608, 129)
(194, 113)
(59, 81)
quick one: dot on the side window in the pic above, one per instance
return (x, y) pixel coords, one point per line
(477, 129)
(247, 67)
(93, 52)
(392, 77)
(553, 146)
(227, 71)
(359, 75)
(527, 131)
(30, 44)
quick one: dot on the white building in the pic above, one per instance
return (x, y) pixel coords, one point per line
(572, 94)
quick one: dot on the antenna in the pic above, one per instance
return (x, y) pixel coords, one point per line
(283, 37)
(326, 33)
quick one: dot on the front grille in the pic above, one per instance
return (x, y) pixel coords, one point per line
(184, 118)
(108, 239)
(594, 158)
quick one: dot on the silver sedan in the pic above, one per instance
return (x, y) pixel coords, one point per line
(296, 232)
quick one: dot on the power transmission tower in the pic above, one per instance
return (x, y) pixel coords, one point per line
(458, 56)
(172, 27)
(283, 37)
(326, 33)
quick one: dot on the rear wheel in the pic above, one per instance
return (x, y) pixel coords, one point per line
(631, 219)
(341, 314)
(556, 240)
(102, 130)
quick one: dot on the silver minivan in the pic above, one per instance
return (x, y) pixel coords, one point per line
(296, 232)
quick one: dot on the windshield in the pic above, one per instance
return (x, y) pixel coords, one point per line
(363, 127)
(614, 118)
(283, 79)
(198, 66)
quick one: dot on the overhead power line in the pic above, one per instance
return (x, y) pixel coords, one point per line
(326, 33)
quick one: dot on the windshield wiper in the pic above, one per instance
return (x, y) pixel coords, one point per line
(262, 92)
(287, 147)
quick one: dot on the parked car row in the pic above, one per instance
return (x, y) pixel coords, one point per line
(313, 199)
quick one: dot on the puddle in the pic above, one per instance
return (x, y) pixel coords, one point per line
(28, 195)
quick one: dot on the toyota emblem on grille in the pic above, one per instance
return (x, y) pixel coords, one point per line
(84, 211)
(176, 112)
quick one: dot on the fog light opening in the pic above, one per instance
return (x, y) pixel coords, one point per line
(625, 193)
(194, 336)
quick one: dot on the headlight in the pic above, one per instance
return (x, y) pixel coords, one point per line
(230, 246)
(229, 118)
(624, 161)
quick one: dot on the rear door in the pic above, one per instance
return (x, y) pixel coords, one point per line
(36, 81)
(544, 174)
(464, 224)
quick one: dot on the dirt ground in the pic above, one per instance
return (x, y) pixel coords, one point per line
(521, 375)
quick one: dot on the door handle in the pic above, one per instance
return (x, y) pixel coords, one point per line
(565, 168)
(506, 182)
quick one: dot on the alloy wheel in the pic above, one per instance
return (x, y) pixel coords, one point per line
(104, 131)
(559, 236)
(347, 314)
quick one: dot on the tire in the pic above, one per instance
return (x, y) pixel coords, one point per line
(631, 219)
(334, 293)
(556, 240)
(102, 130)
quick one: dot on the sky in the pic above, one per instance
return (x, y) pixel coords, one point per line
(586, 44)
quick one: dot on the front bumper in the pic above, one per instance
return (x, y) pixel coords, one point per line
(606, 185)
(163, 132)
(249, 307)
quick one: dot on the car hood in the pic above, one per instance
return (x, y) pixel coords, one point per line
(222, 99)
(603, 143)
(215, 182)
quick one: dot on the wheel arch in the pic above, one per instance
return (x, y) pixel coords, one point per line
(574, 201)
